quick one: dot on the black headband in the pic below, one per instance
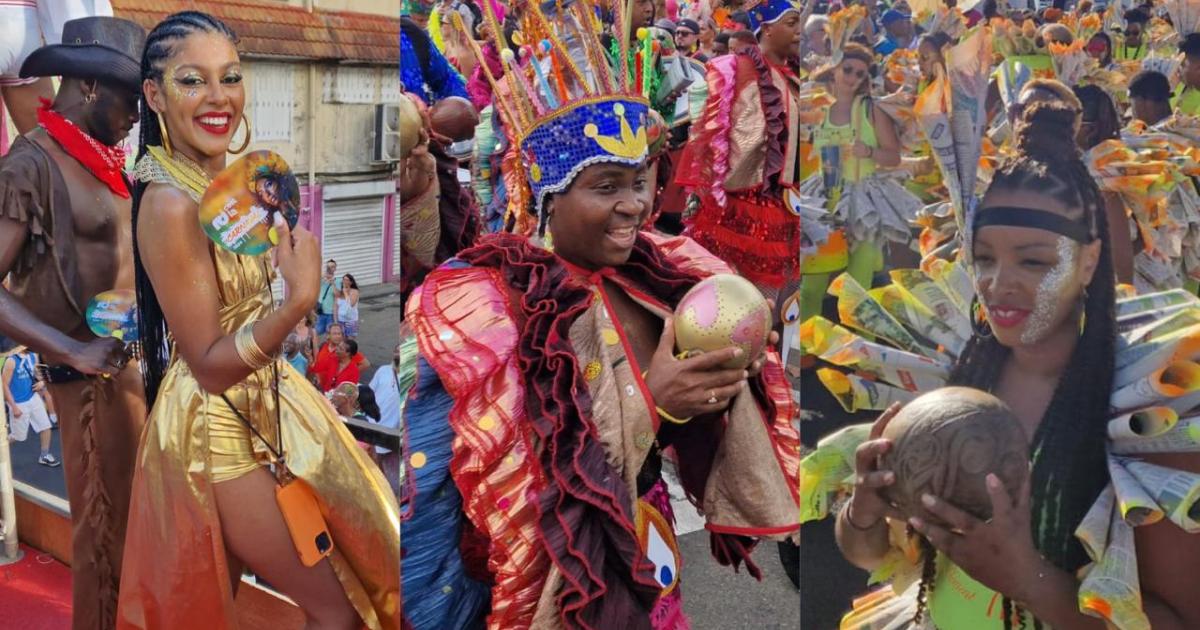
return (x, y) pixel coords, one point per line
(1032, 218)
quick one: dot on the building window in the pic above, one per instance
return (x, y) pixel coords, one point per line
(350, 85)
(273, 94)
(391, 86)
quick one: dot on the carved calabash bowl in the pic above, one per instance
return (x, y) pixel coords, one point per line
(945, 443)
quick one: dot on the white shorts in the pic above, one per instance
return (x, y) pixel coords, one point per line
(52, 14)
(33, 413)
(20, 35)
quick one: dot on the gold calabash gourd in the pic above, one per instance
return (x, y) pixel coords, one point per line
(721, 311)
(410, 126)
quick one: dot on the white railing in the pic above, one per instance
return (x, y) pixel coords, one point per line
(8, 506)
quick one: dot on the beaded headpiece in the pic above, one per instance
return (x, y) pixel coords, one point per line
(564, 106)
(770, 12)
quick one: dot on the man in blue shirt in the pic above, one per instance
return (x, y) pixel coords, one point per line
(22, 393)
(898, 32)
(327, 295)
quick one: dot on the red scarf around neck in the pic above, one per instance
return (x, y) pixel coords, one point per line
(104, 162)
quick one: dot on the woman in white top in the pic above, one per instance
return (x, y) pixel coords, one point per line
(347, 307)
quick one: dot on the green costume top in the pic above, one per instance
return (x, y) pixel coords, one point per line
(1186, 99)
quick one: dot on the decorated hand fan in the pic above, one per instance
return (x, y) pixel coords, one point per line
(114, 314)
(238, 211)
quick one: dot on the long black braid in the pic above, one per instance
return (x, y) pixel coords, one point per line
(161, 44)
(928, 574)
(1069, 468)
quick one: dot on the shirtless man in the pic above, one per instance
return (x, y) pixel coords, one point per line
(65, 236)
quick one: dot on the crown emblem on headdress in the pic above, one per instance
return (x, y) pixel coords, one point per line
(629, 145)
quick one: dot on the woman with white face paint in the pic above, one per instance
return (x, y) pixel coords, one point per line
(1044, 342)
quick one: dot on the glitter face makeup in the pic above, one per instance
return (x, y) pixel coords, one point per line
(173, 84)
(1053, 284)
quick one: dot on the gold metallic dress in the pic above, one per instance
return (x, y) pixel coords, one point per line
(175, 574)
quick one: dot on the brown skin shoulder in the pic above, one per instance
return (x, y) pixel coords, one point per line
(101, 222)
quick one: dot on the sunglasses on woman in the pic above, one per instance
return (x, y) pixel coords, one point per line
(854, 72)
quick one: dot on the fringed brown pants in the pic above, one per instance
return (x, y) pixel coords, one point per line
(100, 424)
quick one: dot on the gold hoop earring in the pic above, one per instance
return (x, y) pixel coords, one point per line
(245, 144)
(166, 140)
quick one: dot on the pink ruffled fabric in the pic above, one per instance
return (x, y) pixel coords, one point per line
(478, 87)
(724, 112)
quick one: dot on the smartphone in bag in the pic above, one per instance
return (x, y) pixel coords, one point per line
(302, 514)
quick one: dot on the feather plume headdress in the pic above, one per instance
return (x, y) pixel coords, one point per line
(565, 106)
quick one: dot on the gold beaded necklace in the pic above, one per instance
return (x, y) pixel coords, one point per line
(181, 171)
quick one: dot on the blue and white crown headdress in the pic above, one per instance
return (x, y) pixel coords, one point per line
(770, 12)
(565, 108)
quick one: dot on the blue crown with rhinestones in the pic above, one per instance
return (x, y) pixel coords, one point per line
(564, 103)
(769, 12)
(593, 131)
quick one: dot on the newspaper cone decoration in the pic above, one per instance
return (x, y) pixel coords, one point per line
(944, 20)
(1161, 37)
(1073, 66)
(1164, 63)
(1152, 170)
(1082, 28)
(901, 68)
(923, 8)
(1012, 39)
(842, 26)
(1185, 15)
(969, 71)
(1114, 19)
(1157, 331)
(1071, 61)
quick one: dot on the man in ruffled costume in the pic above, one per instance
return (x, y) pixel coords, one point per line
(547, 394)
(743, 154)
(64, 237)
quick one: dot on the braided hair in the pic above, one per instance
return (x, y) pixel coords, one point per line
(161, 44)
(1069, 468)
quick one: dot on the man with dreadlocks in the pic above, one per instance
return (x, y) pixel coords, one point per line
(64, 238)
(547, 390)
(1045, 343)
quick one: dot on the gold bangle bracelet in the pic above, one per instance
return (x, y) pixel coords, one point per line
(248, 349)
(661, 412)
(669, 417)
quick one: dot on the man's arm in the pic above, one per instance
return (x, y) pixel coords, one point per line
(16, 321)
(23, 327)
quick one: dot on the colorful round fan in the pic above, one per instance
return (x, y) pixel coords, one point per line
(113, 314)
(238, 211)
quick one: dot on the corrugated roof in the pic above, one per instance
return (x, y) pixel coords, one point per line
(274, 29)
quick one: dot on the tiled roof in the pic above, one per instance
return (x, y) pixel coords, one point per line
(276, 29)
